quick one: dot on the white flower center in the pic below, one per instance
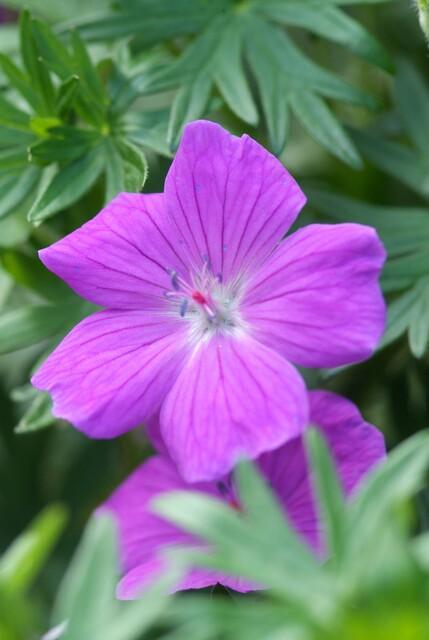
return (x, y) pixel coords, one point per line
(208, 304)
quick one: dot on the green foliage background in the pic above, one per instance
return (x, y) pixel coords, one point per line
(93, 97)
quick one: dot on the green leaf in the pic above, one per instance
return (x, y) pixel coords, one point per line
(28, 271)
(16, 189)
(87, 590)
(31, 324)
(153, 21)
(392, 482)
(134, 165)
(38, 415)
(126, 167)
(66, 94)
(401, 311)
(284, 76)
(68, 185)
(21, 82)
(230, 76)
(315, 116)
(87, 72)
(412, 98)
(399, 161)
(418, 332)
(255, 498)
(11, 116)
(328, 21)
(330, 494)
(189, 104)
(36, 69)
(22, 561)
(64, 144)
(403, 230)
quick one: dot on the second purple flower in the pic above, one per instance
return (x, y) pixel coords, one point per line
(206, 307)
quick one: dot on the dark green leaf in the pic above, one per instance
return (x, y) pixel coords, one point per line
(31, 324)
(29, 272)
(319, 121)
(68, 185)
(328, 21)
(412, 98)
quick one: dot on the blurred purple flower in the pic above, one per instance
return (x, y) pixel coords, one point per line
(207, 306)
(356, 447)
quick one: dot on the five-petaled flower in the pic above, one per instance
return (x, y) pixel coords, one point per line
(206, 307)
(355, 445)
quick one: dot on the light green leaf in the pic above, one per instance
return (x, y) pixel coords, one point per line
(329, 493)
(22, 561)
(87, 591)
(418, 332)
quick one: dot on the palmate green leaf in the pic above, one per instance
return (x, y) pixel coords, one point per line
(247, 544)
(409, 163)
(68, 185)
(285, 77)
(22, 561)
(324, 19)
(153, 21)
(299, 83)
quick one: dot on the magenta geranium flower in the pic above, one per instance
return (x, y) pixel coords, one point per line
(206, 307)
(356, 447)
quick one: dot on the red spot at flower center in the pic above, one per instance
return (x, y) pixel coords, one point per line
(198, 297)
(234, 504)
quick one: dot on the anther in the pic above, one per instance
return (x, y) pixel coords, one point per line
(183, 307)
(174, 280)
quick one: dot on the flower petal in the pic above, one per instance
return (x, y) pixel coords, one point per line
(234, 398)
(230, 200)
(112, 371)
(318, 299)
(121, 258)
(355, 445)
(143, 536)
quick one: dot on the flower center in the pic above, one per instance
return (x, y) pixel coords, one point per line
(207, 302)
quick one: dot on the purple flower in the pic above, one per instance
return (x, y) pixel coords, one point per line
(356, 447)
(206, 307)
